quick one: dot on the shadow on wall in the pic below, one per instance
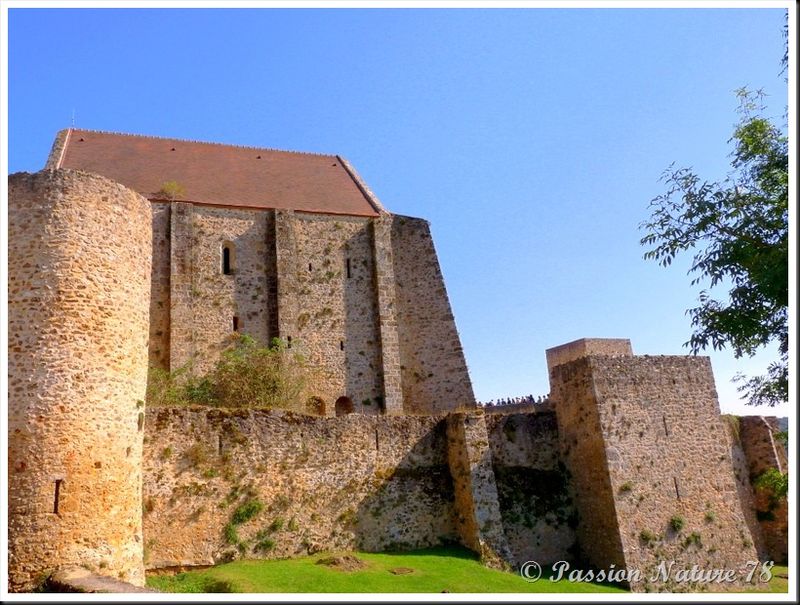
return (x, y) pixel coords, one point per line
(411, 501)
(222, 484)
(743, 486)
(536, 505)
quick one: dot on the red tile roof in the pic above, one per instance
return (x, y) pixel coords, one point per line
(226, 175)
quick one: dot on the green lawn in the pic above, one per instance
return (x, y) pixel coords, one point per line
(435, 570)
(776, 584)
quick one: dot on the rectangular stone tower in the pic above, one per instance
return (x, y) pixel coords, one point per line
(649, 460)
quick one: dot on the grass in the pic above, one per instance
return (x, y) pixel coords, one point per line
(451, 569)
(776, 584)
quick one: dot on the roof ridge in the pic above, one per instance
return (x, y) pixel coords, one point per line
(148, 136)
(362, 186)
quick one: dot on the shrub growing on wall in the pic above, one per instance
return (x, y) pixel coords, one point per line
(273, 377)
(178, 387)
(247, 374)
(171, 190)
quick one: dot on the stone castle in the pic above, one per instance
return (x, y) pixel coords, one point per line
(130, 252)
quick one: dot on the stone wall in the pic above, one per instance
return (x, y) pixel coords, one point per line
(159, 342)
(188, 277)
(218, 298)
(763, 451)
(79, 297)
(517, 408)
(367, 482)
(583, 347)
(181, 287)
(362, 298)
(665, 478)
(534, 491)
(337, 320)
(433, 370)
(477, 508)
(744, 489)
(57, 150)
(583, 452)
(387, 320)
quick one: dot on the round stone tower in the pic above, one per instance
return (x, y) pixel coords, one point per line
(78, 311)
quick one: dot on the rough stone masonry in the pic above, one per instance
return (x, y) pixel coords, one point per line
(113, 271)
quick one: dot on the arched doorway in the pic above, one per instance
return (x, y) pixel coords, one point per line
(316, 405)
(344, 406)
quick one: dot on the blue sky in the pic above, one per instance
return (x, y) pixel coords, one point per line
(532, 139)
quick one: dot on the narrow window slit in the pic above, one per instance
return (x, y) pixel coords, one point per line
(219, 444)
(666, 430)
(341, 345)
(57, 495)
(235, 323)
(288, 342)
(348, 268)
(227, 259)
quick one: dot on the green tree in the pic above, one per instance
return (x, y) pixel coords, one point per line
(738, 231)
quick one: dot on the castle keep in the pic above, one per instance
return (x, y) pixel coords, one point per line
(287, 245)
(133, 252)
